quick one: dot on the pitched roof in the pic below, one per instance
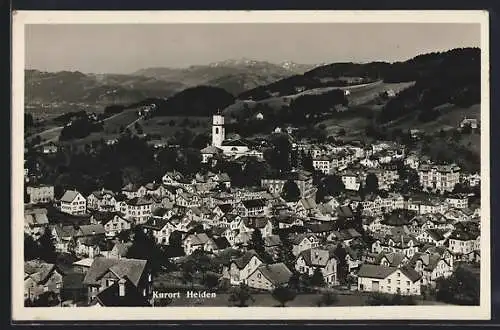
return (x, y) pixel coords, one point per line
(411, 273)
(308, 203)
(225, 208)
(394, 258)
(89, 230)
(277, 274)
(253, 203)
(255, 222)
(139, 201)
(69, 196)
(132, 268)
(221, 243)
(110, 297)
(198, 239)
(156, 223)
(211, 150)
(38, 270)
(316, 257)
(344, 211)
(242, 261)
(375, 271)
(36, 219)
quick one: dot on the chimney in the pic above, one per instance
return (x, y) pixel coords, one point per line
(121, 287)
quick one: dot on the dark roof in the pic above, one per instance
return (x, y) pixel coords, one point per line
(155, 223)
(252, 203)
(317, 257)
(272, 240)
(344, 211)
(73, 281)
(226, 208)
(255, 222)
(242, 261)
(277, 274)
(394, 258)
(221, 243)
(132, 268)
(320, 227)
(397, 218)
(411, 273)
(375, 271)
(464, 235)
(137, 201)
(110, 296)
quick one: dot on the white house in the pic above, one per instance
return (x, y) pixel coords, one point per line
(391, 280)
(72, 202)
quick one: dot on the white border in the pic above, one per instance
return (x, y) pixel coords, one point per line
(20, 313)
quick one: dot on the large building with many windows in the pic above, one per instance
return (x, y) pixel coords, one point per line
(439, 177)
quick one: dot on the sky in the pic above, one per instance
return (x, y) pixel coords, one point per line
(126, 48)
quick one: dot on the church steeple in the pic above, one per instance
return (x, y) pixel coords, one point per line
(218, 132)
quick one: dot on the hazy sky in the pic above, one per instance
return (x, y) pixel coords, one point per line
(126, 48)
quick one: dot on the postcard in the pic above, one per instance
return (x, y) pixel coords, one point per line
(230, 165)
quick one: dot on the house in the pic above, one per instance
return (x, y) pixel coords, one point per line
(134, 190)
(161, 229)
(392, 280)
(209, 152)
(303, 180)
(35, 222)
(323, 164)
(63, 236)
(259, 116)
(240, 268)
(272, 244)
(89, 240)
(41, 277)
(463, 243)
(50, 148)
(269, 276)
(439, 177)
(302, 242)
(198, 242)
(101, 200)
(119, 250)
(263, 224)
(72, 202)
(471, 122)
(391, 259)
(122, 293)
(431, 266)
(252, 207)
(323, 259)
(403, 243)
(40, 194)
(173, 178)
(104, 272)
(139, 209)
(344, 236)
(352, 181)
(435, 237)
(458, 201)
(305, 207)
(114, 223)
(154, 189)
(186, 199)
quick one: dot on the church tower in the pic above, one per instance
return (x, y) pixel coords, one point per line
(218, 133)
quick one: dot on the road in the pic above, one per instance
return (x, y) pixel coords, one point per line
(58, 130)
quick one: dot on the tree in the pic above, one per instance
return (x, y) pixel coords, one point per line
(317, 278)
(171, 123)
(210, 280)
(30, 248)
(47, 249)
(461, 288)
(306, 161)
(240, 295)
(334, 184)
(257, 241)
(342, 266)
(371, 183)
(327, 299)
(283, 295)
(290, 192)
(358, 218)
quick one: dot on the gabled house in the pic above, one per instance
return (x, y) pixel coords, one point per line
(40, 194)
(101, 200)
(105, 272)
(430, 266)
(134, 191)
(323, 259)
(240, 268)
(35, 222)
(41, 277)
(72, 202)
(269, 276)
(252, 207)
(392, 280)
(263, 224)
(173, 178)
(272, 244)
(122, 293)
(154, 189)
(113, 222)
(198, 242)
(436, 237)
(302, 242)
(464, 245)
(139, 209)
(391, 259)
(161, 229)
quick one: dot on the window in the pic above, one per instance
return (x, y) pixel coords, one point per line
(389, 281)
(259, 275)
(216, 130)
(399, 282)
(399, 274)
(408, 283)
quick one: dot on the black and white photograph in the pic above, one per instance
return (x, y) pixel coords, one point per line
(266, 165)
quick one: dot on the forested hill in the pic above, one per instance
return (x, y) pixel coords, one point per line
(464, 61)
(195, 101)
(452, 77)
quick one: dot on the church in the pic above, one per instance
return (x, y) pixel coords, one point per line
(221, 145)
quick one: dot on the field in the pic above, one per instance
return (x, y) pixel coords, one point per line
(168, 126)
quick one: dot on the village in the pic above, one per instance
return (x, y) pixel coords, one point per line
(365, 219)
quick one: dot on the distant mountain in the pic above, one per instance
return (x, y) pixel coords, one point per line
(233, 75)
(76, 87)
